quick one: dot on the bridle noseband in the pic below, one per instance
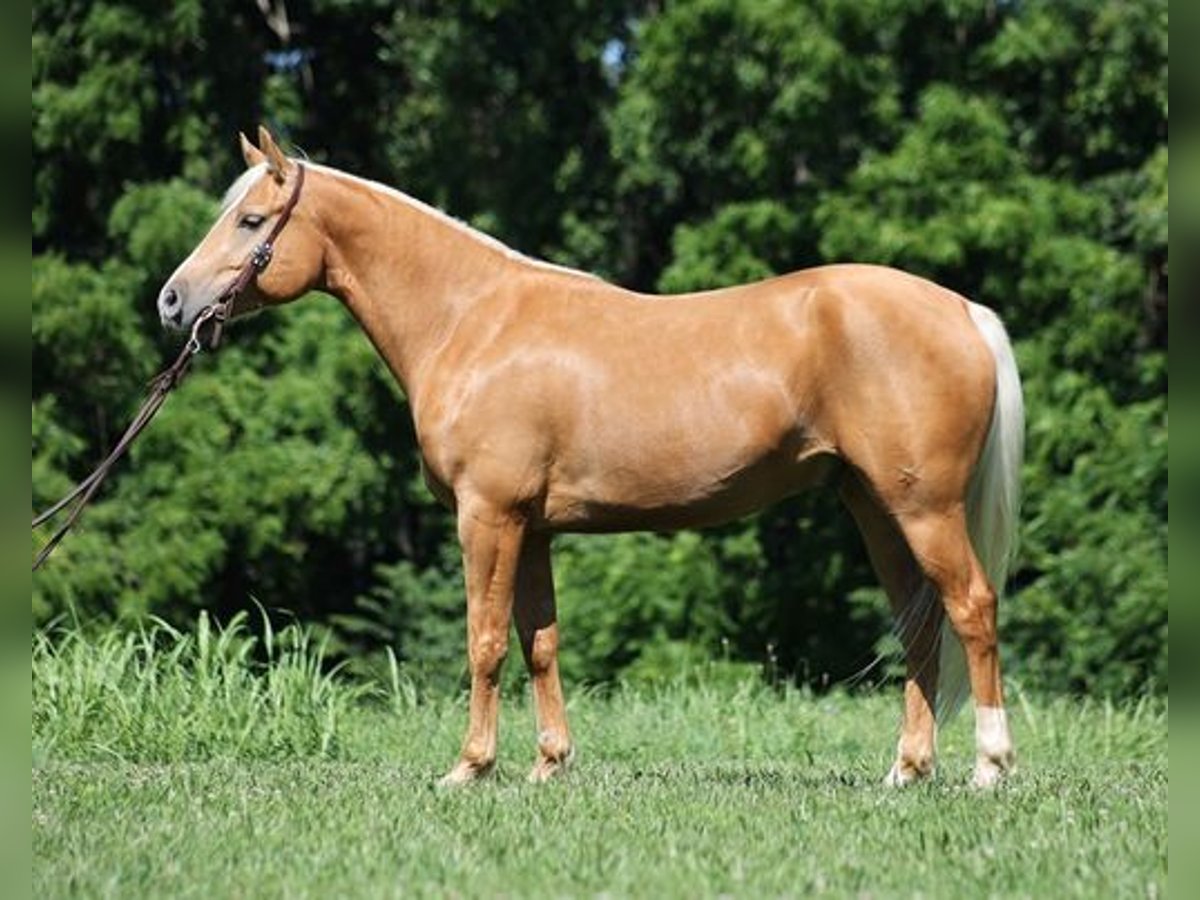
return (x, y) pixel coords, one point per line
(218, 313)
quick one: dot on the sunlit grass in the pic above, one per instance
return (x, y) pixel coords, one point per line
(162, 695)
(218, 764)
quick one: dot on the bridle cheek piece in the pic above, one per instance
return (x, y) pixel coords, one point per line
(260, 258)
(218, 313)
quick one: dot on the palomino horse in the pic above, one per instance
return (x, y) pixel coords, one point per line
(546, 400)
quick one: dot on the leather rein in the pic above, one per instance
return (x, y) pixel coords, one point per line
(216, 314)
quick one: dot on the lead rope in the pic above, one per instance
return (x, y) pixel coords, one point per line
(167, 380)
(161, 385)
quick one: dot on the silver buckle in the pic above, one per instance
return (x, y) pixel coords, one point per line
(261, 257)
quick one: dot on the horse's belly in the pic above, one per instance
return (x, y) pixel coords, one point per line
(664, 499)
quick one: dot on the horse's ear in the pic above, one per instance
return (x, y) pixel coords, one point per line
(277, 163)
(250, 153)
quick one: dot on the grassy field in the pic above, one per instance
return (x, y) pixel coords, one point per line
(177, 766)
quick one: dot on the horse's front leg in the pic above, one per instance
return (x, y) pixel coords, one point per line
(491, 544)
(537, 628)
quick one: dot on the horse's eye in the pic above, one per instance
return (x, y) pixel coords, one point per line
(250, 221)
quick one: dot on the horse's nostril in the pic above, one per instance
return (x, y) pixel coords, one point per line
(170, 307)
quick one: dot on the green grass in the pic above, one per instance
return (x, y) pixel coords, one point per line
(176, 766)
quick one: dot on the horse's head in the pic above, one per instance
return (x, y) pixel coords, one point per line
(252, 207)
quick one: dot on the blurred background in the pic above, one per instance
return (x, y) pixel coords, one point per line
(1013, 150)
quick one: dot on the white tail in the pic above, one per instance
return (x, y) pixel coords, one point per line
(993, 499)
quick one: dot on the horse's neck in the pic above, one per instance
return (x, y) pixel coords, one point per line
(406, 273)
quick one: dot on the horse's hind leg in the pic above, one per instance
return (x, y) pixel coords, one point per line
(537, 628)
(919, 618)
(942, 547)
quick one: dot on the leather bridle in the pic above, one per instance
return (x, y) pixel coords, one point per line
(217, 313)
(260, 258)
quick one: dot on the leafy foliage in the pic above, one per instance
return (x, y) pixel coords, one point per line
(1092, 612)
(1015, 152)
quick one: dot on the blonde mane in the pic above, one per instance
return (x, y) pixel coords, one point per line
(485, 239)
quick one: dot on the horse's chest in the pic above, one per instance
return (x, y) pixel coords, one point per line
(443, 457)
(439, 448)
(438, 485)
(495, 452)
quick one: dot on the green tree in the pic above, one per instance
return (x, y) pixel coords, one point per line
(1016, 152)
(127, 92)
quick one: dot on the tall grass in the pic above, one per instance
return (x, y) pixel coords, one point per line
(156, 694)
(228, 763)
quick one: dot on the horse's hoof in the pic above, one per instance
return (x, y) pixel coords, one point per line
(547, 767)
(903, 774)
(990, 772)
(464, 773)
